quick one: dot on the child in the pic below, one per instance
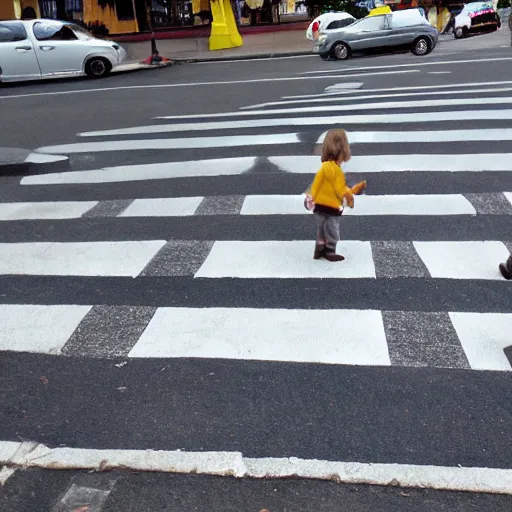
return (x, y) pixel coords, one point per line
(329, 192)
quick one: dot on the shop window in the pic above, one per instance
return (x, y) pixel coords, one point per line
(48, 9)
(74, 6)
(124, 9)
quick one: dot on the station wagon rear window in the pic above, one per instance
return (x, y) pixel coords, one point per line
(340, 23)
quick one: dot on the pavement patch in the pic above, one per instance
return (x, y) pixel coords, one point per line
(423, 339)
(179, 258)
(490, 203)
(220, 205)
(109, 331)
(110, 208)
(397, 259)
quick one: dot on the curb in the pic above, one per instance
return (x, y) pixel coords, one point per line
(244, 57)
(26, 454)
(142, 66)
(18, 161)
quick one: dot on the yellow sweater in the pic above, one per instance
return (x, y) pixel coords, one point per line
(329, 186)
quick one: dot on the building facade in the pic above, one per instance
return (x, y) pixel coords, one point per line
(130, 16)
(13, 9)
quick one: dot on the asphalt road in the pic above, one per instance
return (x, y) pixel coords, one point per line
(426, 407)
(58, 110)
(175, 493)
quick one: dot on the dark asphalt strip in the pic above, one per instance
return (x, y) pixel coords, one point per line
(177, 493)
(261, 180)
(347, 413)
(152, 492)
(398, 294)
(258, 228)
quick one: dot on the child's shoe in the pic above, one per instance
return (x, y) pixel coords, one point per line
(506, 268)
(332, 256)
(319, 251)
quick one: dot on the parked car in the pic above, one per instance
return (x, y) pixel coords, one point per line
(476, 17)
(406, 29)
(328, 21)
(37, 49)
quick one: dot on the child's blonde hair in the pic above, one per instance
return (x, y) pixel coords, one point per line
(336, 147)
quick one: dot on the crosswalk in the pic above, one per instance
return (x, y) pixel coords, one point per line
(206, 250)
(162, 295)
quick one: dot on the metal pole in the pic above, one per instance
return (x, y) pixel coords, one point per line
(154, 50)
(134, 7)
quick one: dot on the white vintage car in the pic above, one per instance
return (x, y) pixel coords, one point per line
(37, 49)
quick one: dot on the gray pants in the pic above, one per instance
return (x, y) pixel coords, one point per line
(327, 230)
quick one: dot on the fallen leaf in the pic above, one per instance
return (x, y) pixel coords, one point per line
(44, 380)
(82, 509)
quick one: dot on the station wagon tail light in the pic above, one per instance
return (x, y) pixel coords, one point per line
(315, 28)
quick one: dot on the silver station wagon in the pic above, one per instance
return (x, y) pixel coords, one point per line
(406, 29)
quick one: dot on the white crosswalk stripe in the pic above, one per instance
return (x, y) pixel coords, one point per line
(225, 244)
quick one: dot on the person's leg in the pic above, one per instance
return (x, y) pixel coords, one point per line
(320, 235)
(332, 236)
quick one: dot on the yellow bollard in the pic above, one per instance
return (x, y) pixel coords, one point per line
(224, 32)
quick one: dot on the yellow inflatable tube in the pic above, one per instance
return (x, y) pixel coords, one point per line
(224, 32)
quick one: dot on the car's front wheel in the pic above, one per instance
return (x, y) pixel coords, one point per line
(98, 67)
(421, 46)
(340, 51)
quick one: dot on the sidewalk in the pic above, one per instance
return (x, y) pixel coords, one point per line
(291, 41)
